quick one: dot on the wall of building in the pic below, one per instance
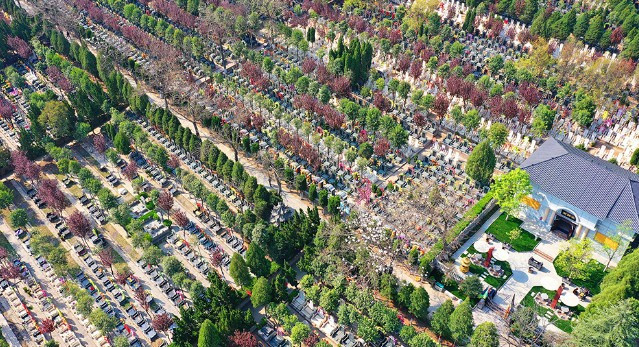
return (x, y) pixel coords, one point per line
(587, 224)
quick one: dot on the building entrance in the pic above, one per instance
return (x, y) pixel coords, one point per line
(564, 224)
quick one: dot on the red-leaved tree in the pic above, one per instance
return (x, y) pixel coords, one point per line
(131, 170)
(106, 257)
(165, 201)
(79, 225)
(99, 143)
(20, 46)
(381, 147)
(162, 322)
(419, 119)
(180, 218)
(242, 339)
(46, 326)
(51, 195)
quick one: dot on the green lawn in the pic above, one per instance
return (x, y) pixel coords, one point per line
(451, 286)
(501, 228)
(4, 243)
(595, 274)
(493, 281)
(564, 325)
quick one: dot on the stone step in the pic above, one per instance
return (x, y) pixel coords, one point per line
(543, 255)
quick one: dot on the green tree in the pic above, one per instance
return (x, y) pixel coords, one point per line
(261, 292)
(481, 163)
(461, 322)
(509, 189)
(104, 322)
(573, 261)
(121, 214)
(57, 115)
(312, 192)
(18, 218)
(543, 119)
(419, 303)
(324, 94)
(485, 335)
(581, 25)
(497, 134)
(209, 335)
(495, 64)
(333, 205)
(322, 198)
(441, 319)
(256, 260)
(121, 341)
(367, 330)
(471, 286)
(152, 255)
(299, 333)
(239, 271)
(421, 340)
(616, 325)
(6, 196)
(300, 182)
(595, 30)
(329, 299)
(388, 286)
(403, 296)
(584, 109)
(121, 143)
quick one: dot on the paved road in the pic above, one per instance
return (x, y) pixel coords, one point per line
(290, 197)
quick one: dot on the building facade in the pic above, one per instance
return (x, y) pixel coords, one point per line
(578, 195)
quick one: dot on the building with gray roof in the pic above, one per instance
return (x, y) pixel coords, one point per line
(577, 194)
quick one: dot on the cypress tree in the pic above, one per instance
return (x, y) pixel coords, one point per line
(469, 21)
(209, 335)
(530, 9)
(595, 30)
(186, 137)
(581, 25)
(481, 163)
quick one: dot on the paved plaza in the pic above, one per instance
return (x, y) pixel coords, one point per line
(522, 280)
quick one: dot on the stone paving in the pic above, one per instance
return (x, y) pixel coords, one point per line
(521, 281)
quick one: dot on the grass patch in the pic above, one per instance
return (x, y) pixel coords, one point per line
(594, 275)
(451, 286)
(492, 280)
(122, 242)
(76, 190)
(501, 228)
(4, 243)
(150, 214)
(562, 324)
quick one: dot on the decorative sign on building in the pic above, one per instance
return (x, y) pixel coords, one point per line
(568, 215)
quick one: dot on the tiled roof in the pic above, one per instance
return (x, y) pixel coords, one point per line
(589, 183)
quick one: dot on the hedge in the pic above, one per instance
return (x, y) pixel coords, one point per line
(468, 217)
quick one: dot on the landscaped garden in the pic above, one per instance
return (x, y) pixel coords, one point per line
(502, 229)
(496, 282)
(590, 275)
(563, 324)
